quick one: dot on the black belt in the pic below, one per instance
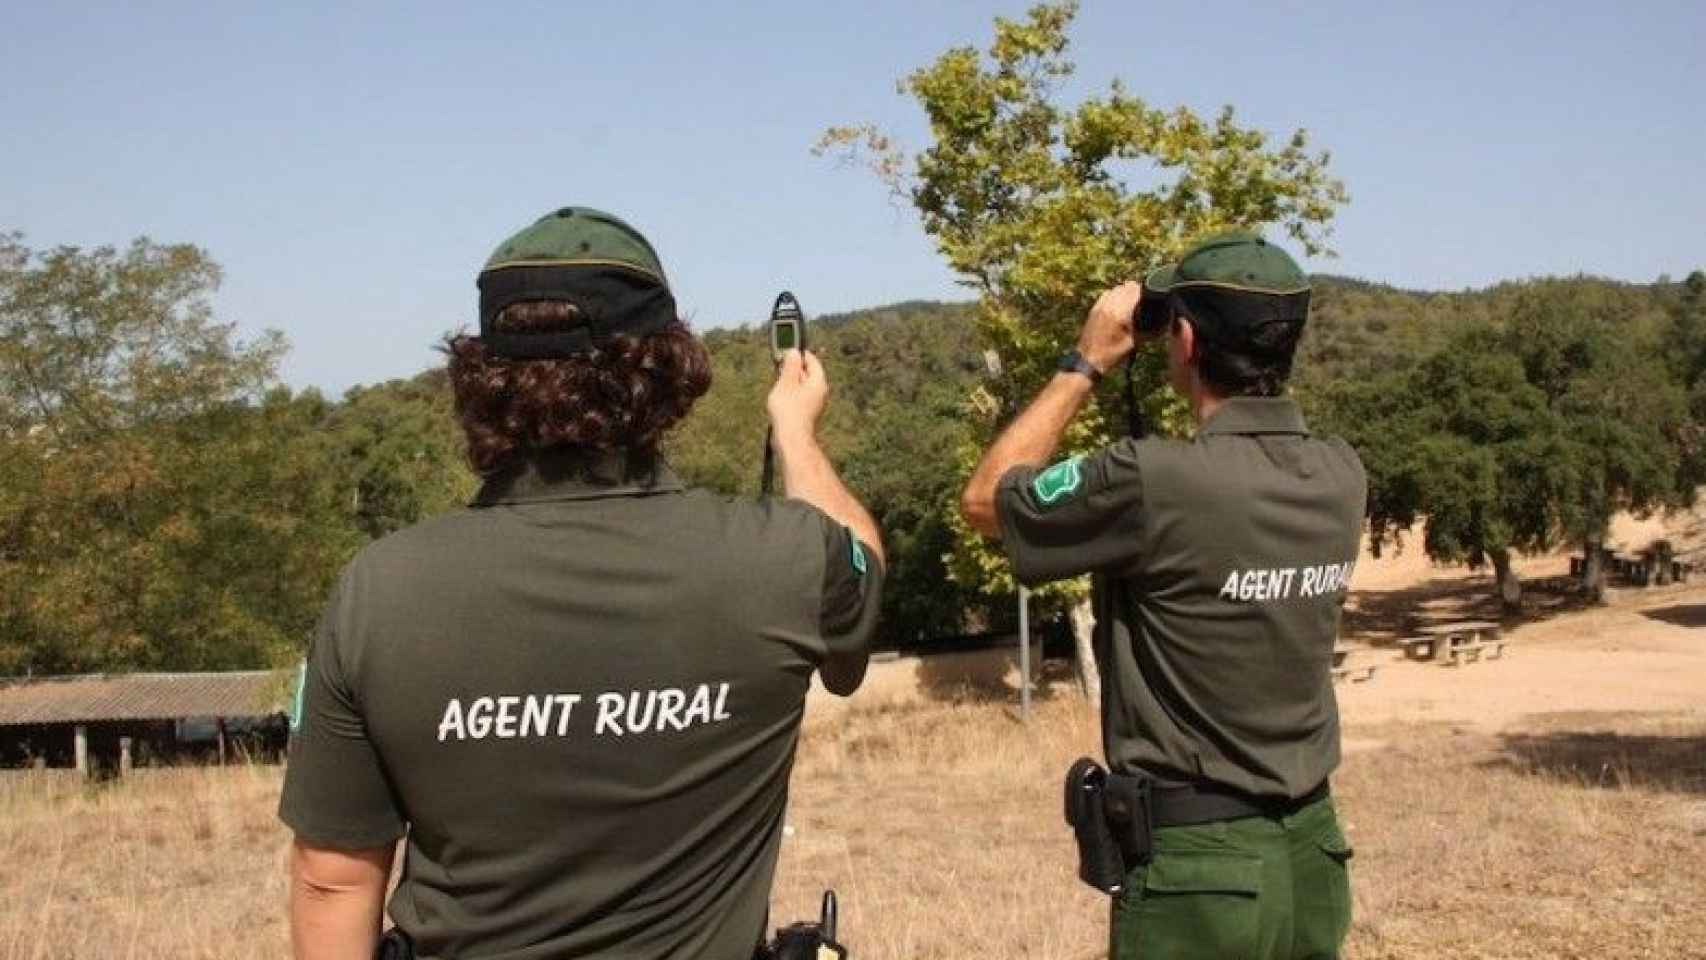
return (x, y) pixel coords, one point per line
(1182, 806)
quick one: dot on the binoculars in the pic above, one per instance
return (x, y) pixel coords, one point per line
(1153, 313)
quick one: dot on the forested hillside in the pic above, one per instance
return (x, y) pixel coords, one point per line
(167, 504)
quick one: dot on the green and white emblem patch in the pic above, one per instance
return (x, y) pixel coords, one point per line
(296, 700)
(1058, 482)
(856, 554)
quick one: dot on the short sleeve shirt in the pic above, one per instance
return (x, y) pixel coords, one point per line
(1219, 570)
(580, 699)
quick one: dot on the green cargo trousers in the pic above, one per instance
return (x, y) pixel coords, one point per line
(1256, 888)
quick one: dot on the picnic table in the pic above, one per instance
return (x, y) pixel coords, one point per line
(1651, 566)
(1456, 643)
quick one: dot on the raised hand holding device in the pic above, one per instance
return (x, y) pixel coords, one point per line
(787, 332)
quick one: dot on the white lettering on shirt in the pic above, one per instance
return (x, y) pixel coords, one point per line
(507, 717)
(534, 716)
(610, 707)
(1269, 584)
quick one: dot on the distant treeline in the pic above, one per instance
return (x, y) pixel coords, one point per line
(165, 503)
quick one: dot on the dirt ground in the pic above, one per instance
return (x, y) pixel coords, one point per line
(1641, 651)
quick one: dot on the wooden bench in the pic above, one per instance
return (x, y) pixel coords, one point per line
(1360, 673)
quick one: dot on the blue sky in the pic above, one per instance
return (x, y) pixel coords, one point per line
(351, 165)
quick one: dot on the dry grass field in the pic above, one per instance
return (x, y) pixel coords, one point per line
(939, 826)
(1548, 804)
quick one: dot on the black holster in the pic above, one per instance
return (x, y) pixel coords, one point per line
(1112, 819)
(394, 945)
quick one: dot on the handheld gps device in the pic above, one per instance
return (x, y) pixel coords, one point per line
(787, 326)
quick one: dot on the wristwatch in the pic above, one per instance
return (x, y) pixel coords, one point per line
(1073, 362)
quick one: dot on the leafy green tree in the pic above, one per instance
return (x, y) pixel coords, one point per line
(163, 508)
(1039, 206)
(1465, 443)
(1686, 343)
(1519, 433)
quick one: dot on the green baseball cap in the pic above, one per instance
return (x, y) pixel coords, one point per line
(1233, 260)
(578, 235)
(1227, 284)
(588, 257)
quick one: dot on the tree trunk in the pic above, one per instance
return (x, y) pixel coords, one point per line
(1509, 584)
(1663, 555)
(1089, 679)
(1593, 570)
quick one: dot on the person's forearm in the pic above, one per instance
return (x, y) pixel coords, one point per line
(808, 475)
(334, 925)
(1030, 439)
(335, 915)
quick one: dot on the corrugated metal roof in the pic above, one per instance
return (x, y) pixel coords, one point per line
(144, 696)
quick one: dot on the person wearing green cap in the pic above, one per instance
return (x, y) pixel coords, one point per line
(1219, 567)
(577, 700)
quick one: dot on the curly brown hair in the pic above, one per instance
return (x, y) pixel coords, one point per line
(622, 396)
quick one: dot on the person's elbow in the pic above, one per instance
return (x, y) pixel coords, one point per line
(319, 873)
(977, 508)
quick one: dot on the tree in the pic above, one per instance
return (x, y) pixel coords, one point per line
(1687, 342)
(1529, 429)
(1032, 204)
(1463, 440)
(163, 509)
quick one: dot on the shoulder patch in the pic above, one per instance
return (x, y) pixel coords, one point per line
(296, 699)
(856, 554)
(1058, 482)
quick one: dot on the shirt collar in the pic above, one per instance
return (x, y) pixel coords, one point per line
(1255, 415)
(577, 475)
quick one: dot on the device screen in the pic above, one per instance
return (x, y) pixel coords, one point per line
(784, 336)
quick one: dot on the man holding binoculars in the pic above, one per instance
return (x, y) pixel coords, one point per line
(1219, 568)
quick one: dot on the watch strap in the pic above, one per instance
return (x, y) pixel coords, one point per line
(1074, 362)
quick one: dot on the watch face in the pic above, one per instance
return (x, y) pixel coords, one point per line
(1073, 362)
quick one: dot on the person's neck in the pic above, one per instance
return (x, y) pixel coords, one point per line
(1204, 404)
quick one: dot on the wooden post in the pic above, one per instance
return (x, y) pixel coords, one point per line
(1024, 653)
(222, 741)
(123, 755)
(81, 733)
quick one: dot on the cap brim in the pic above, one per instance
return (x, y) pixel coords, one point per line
(1161, 279)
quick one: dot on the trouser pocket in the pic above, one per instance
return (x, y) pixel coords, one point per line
(1322, 891)
(1190, 904)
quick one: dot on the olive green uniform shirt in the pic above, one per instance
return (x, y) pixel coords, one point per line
(1220, 568)
(580, 697)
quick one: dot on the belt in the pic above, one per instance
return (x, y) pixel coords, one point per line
(1204, 803)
